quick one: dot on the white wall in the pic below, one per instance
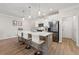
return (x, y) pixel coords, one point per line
(75, 28)
(67, 28)
(7, 30)
(77, 31)
(28, 24)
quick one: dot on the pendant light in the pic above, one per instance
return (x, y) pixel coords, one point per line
(39, 13)
(23, 18)
(29, 12)
(23, 15)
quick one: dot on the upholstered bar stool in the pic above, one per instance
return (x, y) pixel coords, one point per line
(20, 37)
(28, 40)
(37, 43)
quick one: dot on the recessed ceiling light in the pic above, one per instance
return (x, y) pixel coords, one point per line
(29, 17)
(51, 9)
(23, 19)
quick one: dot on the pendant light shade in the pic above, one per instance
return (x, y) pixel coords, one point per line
(29, 17)
(23, 19)
(23, 15)
(39, 12)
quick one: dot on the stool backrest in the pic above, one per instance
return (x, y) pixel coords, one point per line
(35, 38)
(20, 34)
(25, 35)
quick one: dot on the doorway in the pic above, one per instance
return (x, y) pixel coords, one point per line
(67, 28)
(70, 29)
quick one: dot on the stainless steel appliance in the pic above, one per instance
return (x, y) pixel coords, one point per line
(54, 27)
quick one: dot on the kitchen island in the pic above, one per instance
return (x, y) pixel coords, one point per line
(37, 42)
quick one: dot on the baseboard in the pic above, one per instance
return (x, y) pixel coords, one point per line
(7, 37)
(60, 41)
(66, 38)
(77, 45)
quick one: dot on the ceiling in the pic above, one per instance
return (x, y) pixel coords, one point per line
(23, 9)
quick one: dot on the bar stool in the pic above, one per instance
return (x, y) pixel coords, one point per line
(28, 39)
(20, 37)
(39, 51)
(20, 34)
(37, 43)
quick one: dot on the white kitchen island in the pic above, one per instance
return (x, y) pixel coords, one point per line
(45, 44)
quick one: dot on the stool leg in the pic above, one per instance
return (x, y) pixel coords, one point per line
(23, 41)
(39, 52)
(19, 40)
(28, 46)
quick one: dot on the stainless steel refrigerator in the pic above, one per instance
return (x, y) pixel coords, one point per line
(54, 27)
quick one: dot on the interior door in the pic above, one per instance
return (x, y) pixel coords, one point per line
(67, 27)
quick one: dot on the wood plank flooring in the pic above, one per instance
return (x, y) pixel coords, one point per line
(67, 47)
(12, 47)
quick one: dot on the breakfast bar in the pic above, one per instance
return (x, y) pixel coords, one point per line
(40, 40)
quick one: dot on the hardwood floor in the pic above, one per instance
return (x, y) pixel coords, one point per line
(67, 47)
(13, 47)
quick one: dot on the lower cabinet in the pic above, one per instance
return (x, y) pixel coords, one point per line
(55, 37)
